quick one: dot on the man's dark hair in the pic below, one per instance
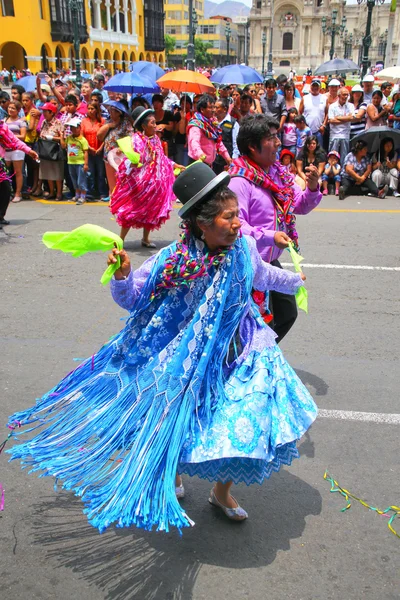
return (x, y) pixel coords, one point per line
(20, 89)
(224, 102)
(300, 119)
(157, 98)
(5, 96)
(386, 85)
(253, 129)
(90, 82)
(71, 99)
(281, 79)
(98, 95)
(185, 99)
(244, 97)
(99, 77)
(204, 100)
(271, 82)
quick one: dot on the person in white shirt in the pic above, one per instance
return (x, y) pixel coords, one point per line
(340, 115)
(368, 88)
(170, 99)
(386, 89)
(313, 106)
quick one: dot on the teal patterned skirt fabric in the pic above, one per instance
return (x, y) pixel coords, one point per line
(256, 431)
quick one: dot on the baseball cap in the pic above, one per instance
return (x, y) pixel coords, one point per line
(357, 88)
(74, 122)
(334, 153)
(334, 82)
(316, 81)
(369, 78)
(50, 106)
(45, 87)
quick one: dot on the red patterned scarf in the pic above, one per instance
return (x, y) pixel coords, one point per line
(283, 196)
(211, 129)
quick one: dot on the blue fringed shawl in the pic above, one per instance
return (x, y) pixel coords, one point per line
(113, 430)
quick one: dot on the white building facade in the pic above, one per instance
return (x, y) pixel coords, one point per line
(298, 41)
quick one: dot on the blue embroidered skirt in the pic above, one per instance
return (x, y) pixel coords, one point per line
(253, 434)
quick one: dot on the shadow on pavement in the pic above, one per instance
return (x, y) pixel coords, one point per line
(320, 386)
(129, 564)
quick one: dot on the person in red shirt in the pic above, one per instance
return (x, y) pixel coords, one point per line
(97, 182)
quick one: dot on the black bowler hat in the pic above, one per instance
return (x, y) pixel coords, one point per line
(140, 113)
(195, 184)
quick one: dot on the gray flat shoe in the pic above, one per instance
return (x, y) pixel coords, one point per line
(235, 514)
(148, 244)
(180, 491)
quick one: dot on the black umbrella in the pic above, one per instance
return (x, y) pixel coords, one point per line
(337, 65)
(375, 135)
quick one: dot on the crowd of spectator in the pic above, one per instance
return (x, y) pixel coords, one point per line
(75, 132)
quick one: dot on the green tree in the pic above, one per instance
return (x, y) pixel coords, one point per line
(170, 44)
(202, 57)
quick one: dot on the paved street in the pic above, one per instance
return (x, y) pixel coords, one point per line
(296, 543)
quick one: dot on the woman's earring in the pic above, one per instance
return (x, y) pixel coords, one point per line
(203, 236)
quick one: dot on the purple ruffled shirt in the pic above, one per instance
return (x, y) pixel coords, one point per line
(254, 334)
(258, 212)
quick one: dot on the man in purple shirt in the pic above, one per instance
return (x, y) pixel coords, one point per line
(268, 202)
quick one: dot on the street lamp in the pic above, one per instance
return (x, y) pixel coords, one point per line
(246, 42)
(271, 31)
(190, 59)
(333, 29)
(228, 39)
(367, 40)
(75, 6)
(264, 43)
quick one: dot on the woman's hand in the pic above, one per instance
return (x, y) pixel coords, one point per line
(312, 176)
(281, 239)
(125, 267)
(33, 155)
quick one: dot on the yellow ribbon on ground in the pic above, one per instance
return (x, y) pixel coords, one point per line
(335, 487)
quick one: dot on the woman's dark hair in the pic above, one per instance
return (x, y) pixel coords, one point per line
(157, 98)
(352, 98)
(248, 87)
(97, 109)
(204, 100)
(206, 211)
(357, 146)
(188, 100)
(289, 86)
(30, 95)
(139, 101)
(390, 154)
(253, 129)
(238, 90)
(308, 140)
(71, 99)
(291, 111)
(377, 93)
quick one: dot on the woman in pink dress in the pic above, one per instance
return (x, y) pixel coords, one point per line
(143, 195)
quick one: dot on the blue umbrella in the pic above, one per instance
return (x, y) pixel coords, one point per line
(149, 69)
(28, 83)
(131, 83)
(236, 74)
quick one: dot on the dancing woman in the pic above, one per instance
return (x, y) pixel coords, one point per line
(143, 194)
(194, 383)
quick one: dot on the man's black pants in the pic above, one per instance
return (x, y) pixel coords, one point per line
(284, 309)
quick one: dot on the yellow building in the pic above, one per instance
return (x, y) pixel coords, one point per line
(38, 34)
(211, 30)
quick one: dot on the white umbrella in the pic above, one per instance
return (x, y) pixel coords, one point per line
(389, 73)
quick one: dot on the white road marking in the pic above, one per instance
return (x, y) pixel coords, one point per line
(351, 415)
(356, 267)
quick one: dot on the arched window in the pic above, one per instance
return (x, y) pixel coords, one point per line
(287, 41)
